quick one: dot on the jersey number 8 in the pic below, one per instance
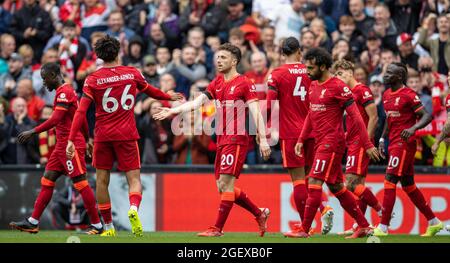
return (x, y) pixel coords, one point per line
(115, 104)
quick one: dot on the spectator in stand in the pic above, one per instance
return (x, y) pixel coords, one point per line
(288, 20)
(236, 17)
(191, 146)
(134, 13)
(16, 122)
(213, 18)
(369, 8)
(363, 22)
(196, 38)
(94, 15)
(342, 50)
(7, 47)
(268, 45)
(70, 10)
(258, 73)
(237, 38)
(26, 51)
(322, 39)
(52, 8)
(47, 139)
(371, 57)
(261, 10)
(406, 49)
(158, 38)
(335, 8)
(347, 28)
(361, 74)
(168, 24)
(311, 11)
(149, 70)
(439, 48)
(51, 55)
(385, 27)
(5, 19)
(405, 14)
(186, 70)
(32, 25)
(4, 106)
(117, 29)
(34, 103)
(89, 63)
(438, 6)
(415, 83)
(135, 52)
(193, 14)
(9, 80)
(308, 40)
(432, 83)
(387, 56)
(163, 57)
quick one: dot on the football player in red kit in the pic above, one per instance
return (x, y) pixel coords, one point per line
(329, 98)
(65, 105)
(113, 89)
(289, 84)
(403, 108)
(231, 92)
(357, 160)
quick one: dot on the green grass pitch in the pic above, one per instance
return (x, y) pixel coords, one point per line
(14, 236)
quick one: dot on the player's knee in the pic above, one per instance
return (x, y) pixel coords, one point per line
(391, 178)
(50, 175)
(335, 188)
(408, 184)
(80, 185)
(47, 182)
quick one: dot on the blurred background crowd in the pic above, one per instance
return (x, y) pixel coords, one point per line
(173, 43)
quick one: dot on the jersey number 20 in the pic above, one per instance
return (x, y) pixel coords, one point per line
(106, 100)
(300, 90)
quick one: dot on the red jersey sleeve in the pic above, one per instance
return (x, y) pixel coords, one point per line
(364, 95)
(272, 81)
(210, 91)
(87, 89)
(249, 92)
(148, 89)
(414, 101)
(447, 103)
(64, 97)
(343, 94)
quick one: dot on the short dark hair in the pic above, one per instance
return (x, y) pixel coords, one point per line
(404, 71)
(320, 57)
(234, 50)
(53, 67)
(290, 46)
(107, 48)
(70, 23)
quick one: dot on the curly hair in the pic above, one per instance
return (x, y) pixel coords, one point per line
(107, 49)
(319, 56)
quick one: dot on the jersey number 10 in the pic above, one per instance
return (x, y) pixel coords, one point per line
(300, 90)
(115, 104)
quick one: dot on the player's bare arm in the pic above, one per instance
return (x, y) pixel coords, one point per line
(381, 146)
(185, 107)
(256, 115)
(56, 117)
(371, 111)
(371, 150)
(425, 119)
(307, 128)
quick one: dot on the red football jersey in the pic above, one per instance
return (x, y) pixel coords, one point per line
(447, 103)
(328, 101)
(66, 99)
(401, 107)
(363, 97)
(230, 98)
(114, 90)
(291, 83)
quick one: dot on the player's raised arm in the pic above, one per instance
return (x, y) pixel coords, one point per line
(185, 107)
(257, 116)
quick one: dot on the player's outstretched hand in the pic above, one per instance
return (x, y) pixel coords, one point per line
(298, 149)
(162, 114)
(406, 133)
(70, 150)
(381, 150)
(90, 147)
(264, 148)
(373, 154)
(25, 136)
(176, 96)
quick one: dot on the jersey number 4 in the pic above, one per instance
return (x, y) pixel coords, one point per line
(126, 100)
(300, 90)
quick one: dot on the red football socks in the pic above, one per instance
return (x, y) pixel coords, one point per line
(44, 197)
(226, 203)
(105, 211)
(89, 200)
(348, 202)
(300, 196)
(417, 198)
(367, 197)
(135, 198)
(388, 202)
(312, 204)
(242, 200)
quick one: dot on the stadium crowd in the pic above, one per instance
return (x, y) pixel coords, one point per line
(173, 43)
